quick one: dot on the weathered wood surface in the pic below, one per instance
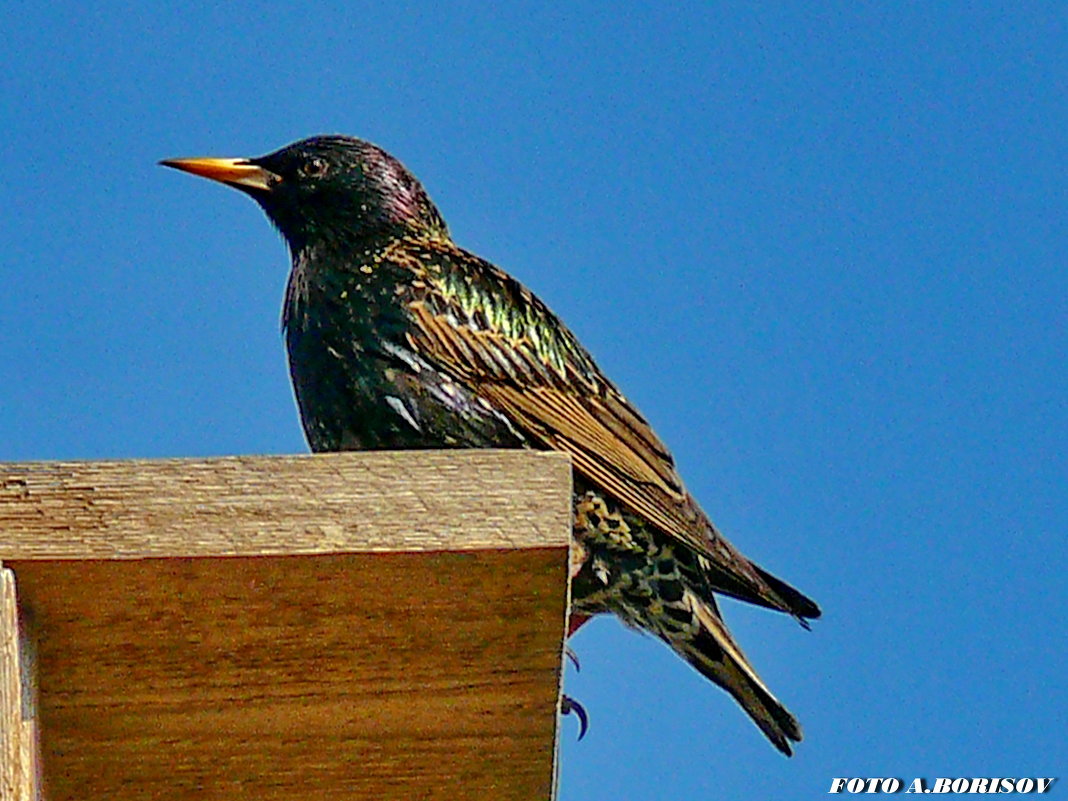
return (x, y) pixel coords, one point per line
(18, 757)
(327, 503)
(11, 765)
(385, 676)
(413, 650)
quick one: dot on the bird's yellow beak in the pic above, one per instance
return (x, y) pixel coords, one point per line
(239, 173)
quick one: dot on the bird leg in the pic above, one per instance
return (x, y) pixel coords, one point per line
(569, 705)
(573, 657)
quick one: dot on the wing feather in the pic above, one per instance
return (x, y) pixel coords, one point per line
(609, 441)
(487, 330)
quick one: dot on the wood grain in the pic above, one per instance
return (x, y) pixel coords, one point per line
(385, 676)
(360, 625)
(11, 767)
(326, 503)
(18, 726)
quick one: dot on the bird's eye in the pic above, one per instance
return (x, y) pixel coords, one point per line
(314, 168)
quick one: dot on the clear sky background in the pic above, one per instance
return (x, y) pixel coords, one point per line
(823, 249)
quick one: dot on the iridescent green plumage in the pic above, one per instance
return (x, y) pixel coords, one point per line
(398, 338)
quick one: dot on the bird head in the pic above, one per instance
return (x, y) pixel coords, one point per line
(328, 189)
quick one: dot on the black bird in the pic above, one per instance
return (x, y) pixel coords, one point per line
(398, 338)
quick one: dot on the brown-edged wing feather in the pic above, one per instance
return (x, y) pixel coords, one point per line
(525, 363)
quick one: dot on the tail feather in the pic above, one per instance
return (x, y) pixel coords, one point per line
(715, 654)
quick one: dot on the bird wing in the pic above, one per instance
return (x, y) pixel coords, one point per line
(607, 440)
(483, 327)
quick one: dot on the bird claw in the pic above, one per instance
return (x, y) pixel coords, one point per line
(573, 657)
(569, 705)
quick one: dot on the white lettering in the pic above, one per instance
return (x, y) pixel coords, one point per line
(943, 784)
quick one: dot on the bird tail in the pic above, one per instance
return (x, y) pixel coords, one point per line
(715, 654)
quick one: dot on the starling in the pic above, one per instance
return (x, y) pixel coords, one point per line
(398, 338)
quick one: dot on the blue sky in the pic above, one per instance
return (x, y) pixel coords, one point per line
(823, 249)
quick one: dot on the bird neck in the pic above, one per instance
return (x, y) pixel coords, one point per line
(346, 281)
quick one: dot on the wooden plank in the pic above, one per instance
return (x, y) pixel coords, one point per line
(385, 676)
(412, 650)
(11, 767)
(326, 503)
(18, 724)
